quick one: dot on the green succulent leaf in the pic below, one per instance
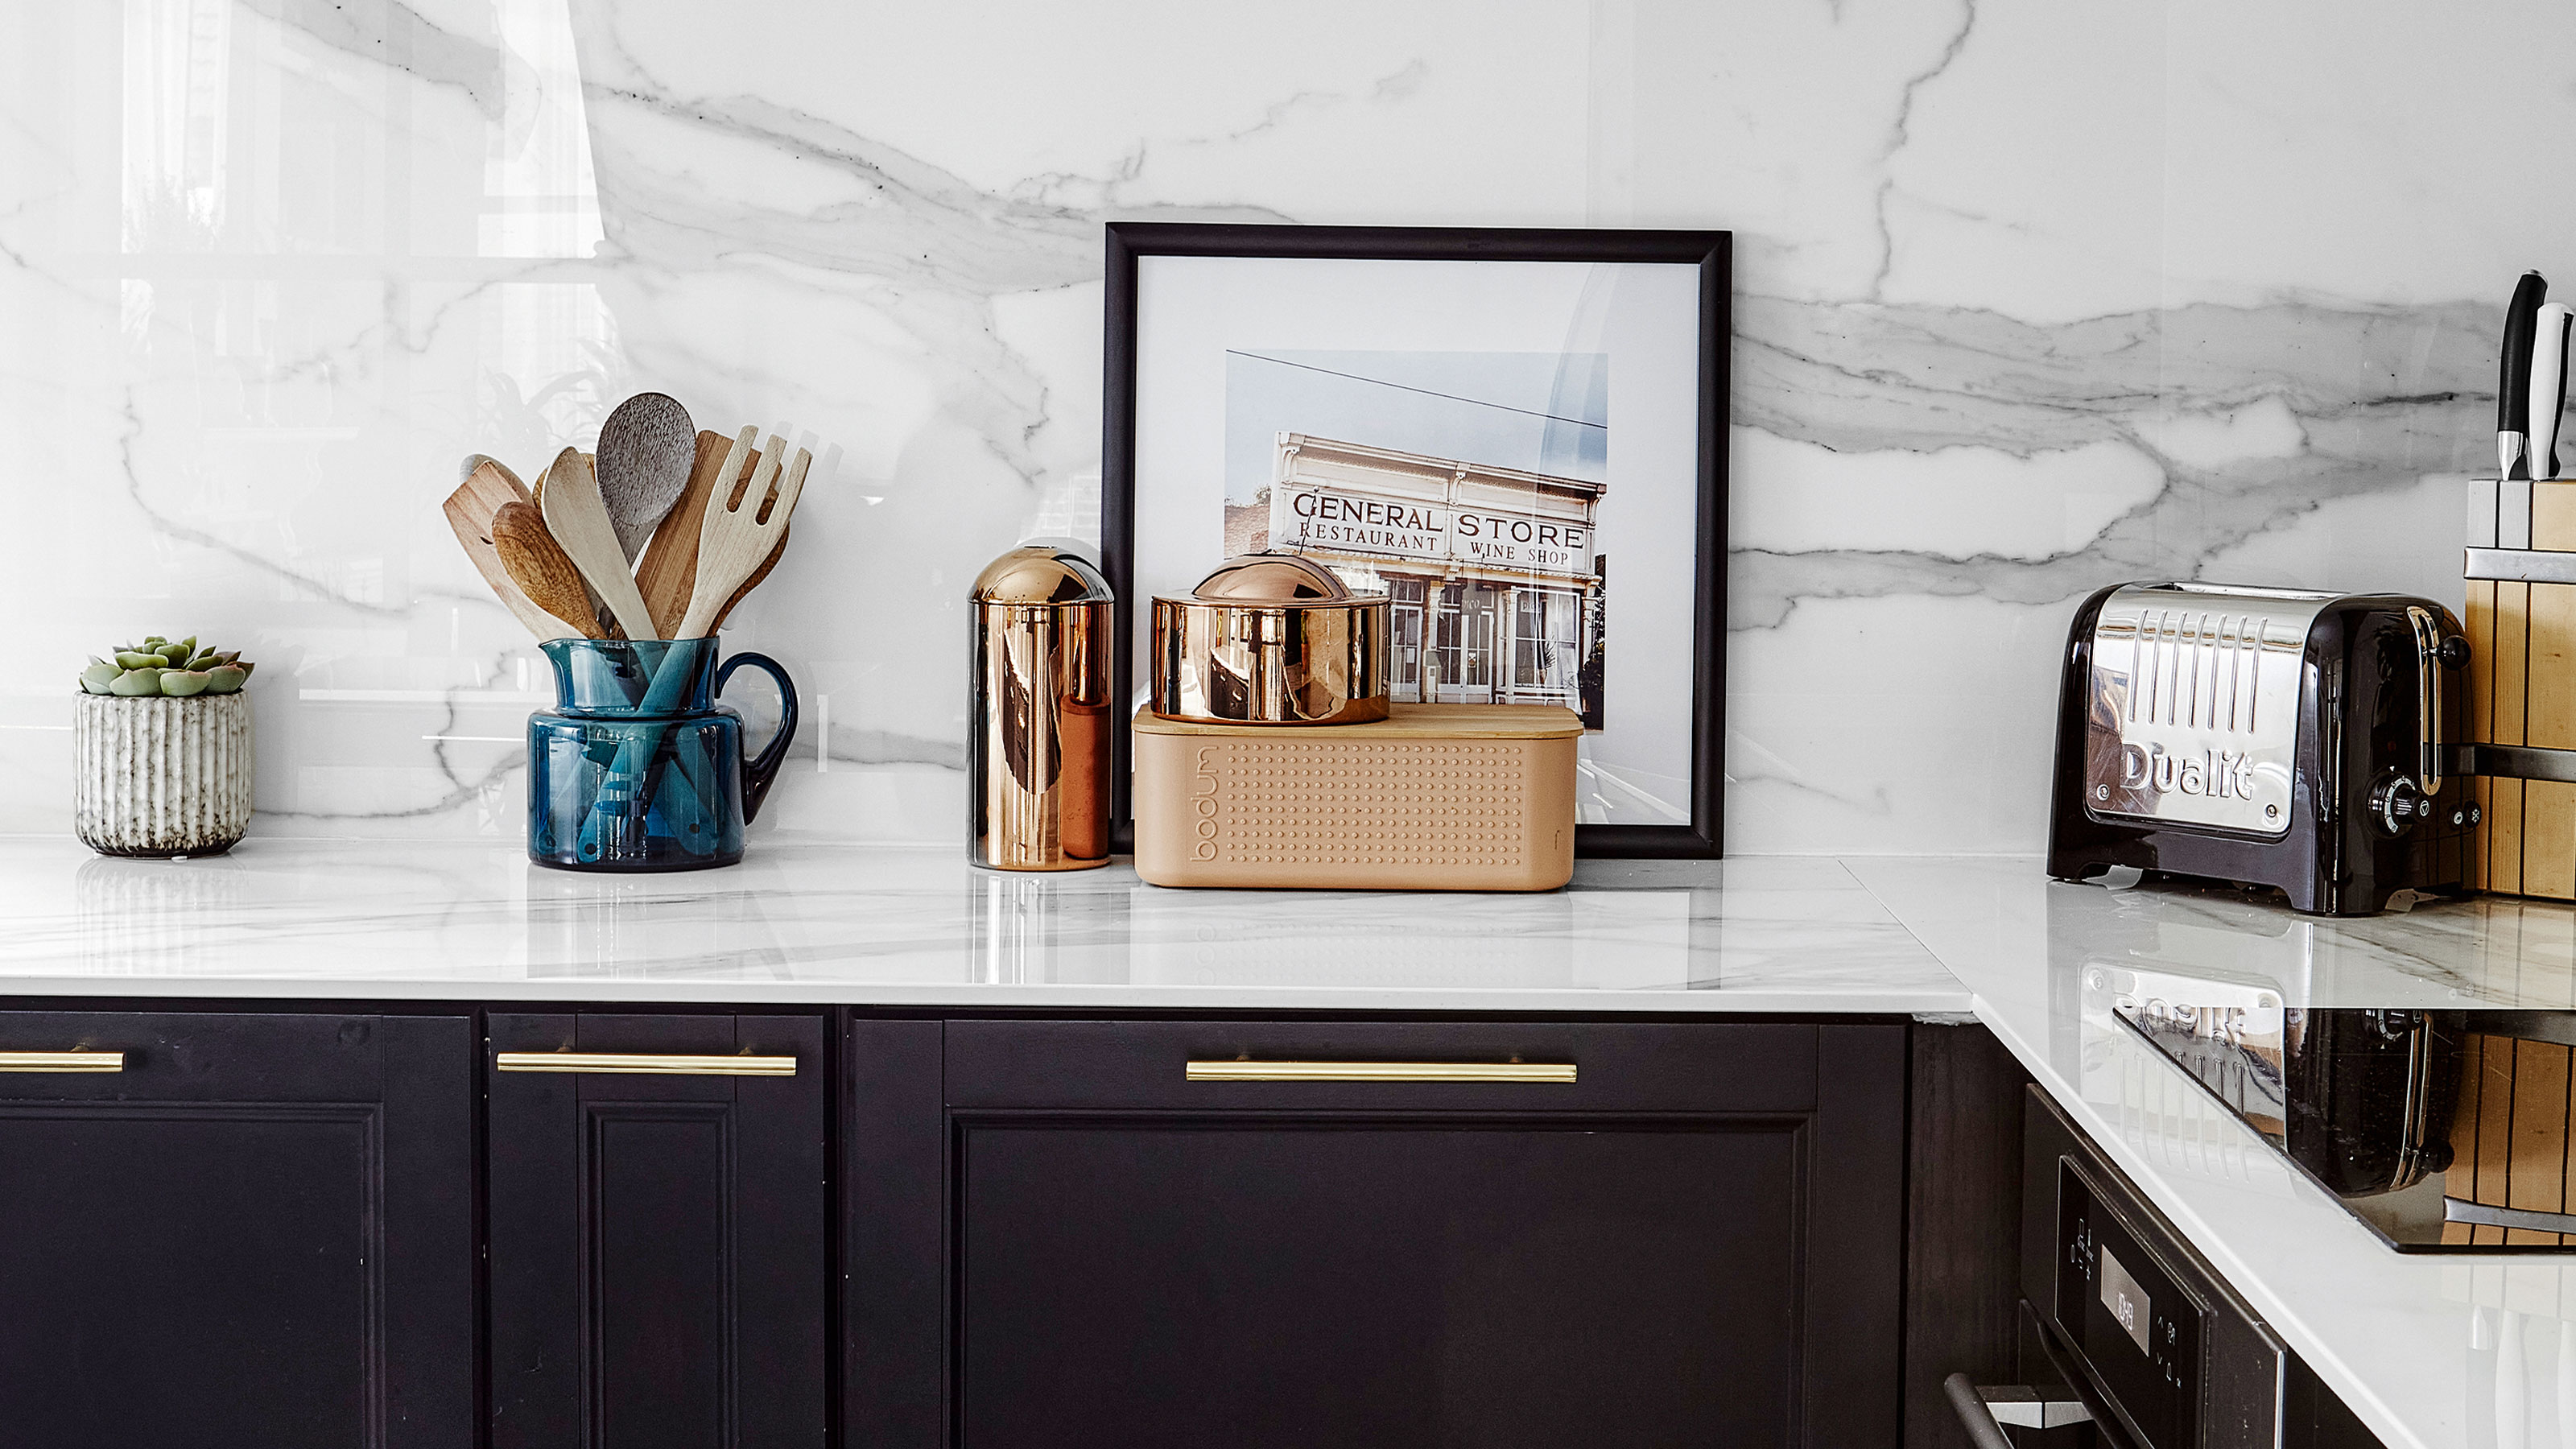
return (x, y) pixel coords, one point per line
(99, 673)
(136, 682)
(245, 666)
(137, 659)
(181, 683)
(188, 645)
(225, 679)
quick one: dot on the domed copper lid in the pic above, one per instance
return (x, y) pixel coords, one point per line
(1041, 573)
(1272, 578)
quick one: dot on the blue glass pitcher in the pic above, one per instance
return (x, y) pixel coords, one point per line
(637, 767)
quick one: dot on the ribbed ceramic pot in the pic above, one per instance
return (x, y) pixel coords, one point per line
(155, 776)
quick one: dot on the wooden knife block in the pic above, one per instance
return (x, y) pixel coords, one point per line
(2510, 1137)
(2522, 687)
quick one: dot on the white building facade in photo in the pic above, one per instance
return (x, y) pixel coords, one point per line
(1494, 575)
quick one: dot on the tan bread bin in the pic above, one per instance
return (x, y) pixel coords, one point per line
(1436, 797)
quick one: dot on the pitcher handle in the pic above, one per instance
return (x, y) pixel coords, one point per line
(761, 769)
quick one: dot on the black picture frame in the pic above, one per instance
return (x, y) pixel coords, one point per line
(1711, 251)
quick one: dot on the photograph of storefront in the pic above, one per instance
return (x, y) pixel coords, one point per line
(1496, 587)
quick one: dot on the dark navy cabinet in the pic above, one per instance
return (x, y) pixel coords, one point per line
(256, 1232)
(1698, 1239)
(702, 1228)
(659, 1230)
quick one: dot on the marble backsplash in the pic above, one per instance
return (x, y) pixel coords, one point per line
(2032, 297)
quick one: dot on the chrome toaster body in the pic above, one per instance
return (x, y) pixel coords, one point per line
(2263, 736)
(2193, 715)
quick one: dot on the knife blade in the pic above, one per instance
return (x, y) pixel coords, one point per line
(2548, 386)
(2513, 384)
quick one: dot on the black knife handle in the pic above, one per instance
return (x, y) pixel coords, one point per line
(2521, 331)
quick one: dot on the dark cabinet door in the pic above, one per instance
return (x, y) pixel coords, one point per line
(1698, 1241)
(257, 1232)
(658, 1241)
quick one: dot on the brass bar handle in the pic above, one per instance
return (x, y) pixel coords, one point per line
(645, 1064)
(1559, 1072)
(62, 1061)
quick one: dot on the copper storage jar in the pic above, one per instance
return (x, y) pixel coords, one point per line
(1271, 639)
(1039, 730)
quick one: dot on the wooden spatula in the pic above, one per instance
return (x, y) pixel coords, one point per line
(579, 522)
(469, 512)
(669, 567)
(741, 529)
(540, 566)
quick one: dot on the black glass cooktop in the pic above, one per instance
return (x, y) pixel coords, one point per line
(2444, 1131)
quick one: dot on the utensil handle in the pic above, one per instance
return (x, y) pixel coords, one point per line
(62, 1061)
(760, 770)
(1550, 1072)
(645, 1064)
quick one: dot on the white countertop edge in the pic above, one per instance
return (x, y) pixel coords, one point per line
(2248, 1278)
(975, 995)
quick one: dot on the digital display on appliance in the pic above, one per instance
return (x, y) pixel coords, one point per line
(2130, 1307)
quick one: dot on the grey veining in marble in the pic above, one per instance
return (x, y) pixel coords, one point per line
(2031, 299)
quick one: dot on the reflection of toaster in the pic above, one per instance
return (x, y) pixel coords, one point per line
(2264, 736)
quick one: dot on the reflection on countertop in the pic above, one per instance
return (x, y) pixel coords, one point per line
(831, 921)
(2432, 1352)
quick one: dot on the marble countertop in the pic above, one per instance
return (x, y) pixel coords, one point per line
(813, 921)
(2432, 1352)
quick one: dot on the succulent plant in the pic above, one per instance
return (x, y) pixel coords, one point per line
(170, 668)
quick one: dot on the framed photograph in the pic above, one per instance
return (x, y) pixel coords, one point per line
(1518, 435)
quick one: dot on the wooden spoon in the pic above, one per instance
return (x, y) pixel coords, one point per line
(669, 567)
(579, 522)
(646, 450)
(540, 566)
(741, 530)
(469, 512)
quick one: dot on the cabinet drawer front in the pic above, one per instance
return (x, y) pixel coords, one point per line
(1487, 1066)
(208, 1056)
(658, 1229)
(257, 1230)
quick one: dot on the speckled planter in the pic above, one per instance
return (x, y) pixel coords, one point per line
(161, 776)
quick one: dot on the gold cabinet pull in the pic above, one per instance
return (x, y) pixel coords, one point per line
(62, 1061)
(1381, 1072)
(634, 1064)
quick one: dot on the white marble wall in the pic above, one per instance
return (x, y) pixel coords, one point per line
(2033, 295)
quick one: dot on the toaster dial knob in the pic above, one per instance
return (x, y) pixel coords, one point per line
(2397, 802)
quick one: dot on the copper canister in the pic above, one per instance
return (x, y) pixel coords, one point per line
(1271, 639)
(1038, 734)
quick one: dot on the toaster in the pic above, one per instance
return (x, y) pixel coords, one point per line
(2267, 737)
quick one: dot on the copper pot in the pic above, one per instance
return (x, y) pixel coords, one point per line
(1271, 639)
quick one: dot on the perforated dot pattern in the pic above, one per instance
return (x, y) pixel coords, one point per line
(1372, 803)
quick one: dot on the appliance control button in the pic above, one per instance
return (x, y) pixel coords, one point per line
(2397, 802)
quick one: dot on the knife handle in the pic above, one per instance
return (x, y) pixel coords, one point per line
(2548, 385)
(2513, 382)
